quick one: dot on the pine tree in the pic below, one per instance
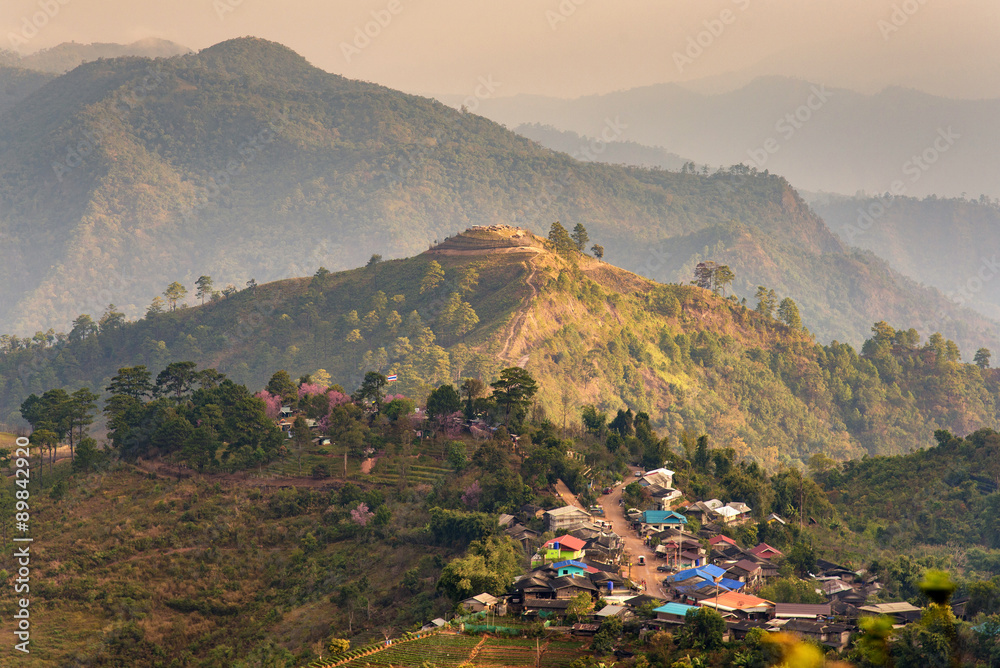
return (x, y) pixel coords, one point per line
(581, 237)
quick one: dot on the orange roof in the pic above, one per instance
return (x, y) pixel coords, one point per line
(567, 541)
(734, 600)
(714, 540)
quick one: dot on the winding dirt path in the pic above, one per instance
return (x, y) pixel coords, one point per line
(523, 315)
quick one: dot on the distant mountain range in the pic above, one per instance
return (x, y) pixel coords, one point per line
(243, 161)
(599, 149)
(64, 57)
(952, 244)
(819, 138)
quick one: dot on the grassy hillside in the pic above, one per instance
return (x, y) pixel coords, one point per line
(588, 331)
(243, 161)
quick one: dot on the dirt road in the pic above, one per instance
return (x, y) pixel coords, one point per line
(634, 546)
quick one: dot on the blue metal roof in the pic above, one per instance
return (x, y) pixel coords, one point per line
(663, 517)
(734, 585)
(570, 562)
(678, 609)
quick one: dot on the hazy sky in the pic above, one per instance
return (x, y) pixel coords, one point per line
(571, 47)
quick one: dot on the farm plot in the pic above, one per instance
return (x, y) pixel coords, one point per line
(443, 650)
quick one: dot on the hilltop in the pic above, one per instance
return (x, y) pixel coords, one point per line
(590, 333)
(244, 161)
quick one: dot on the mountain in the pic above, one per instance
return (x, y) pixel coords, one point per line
(598, 149)
(941, 242)
(17, 83)
(64, 57)
(589, 332)
(819, 138)
(245, 162)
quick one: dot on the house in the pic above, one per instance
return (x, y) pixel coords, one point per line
(830, 635)
(568, 586)
(703, 511)
(802, 611)
(673, 613)
(742, 605)
(479, 603)
(565, 518)
(570, 567)
(433, 624)
(523, 535)
(662, 477)
(664, 496)
(506, 521)
(765, 551)
(902, 611)
(742, 512)
(727, 515)
(720, 538)
(286, 412)
(658, 520)
(747, 571)
(609, 611)
(773, 518)
(564, 547)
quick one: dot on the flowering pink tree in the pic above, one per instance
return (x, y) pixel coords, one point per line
(272, 403)
(310, 389)
(361, 515)
(472, 495)
(337, 398)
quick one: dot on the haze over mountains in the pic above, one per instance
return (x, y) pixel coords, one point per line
(243, 161)
(821, 138)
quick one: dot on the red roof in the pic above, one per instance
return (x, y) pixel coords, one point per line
(715, 540)
(766, 551)
(567, 541)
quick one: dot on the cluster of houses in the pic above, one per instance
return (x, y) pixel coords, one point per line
(703, 569)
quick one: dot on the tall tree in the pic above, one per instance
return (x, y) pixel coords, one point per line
(204, 287)
(767, 301)
(982, 358)
(472, 388)
(176, 379)
(560, 238)
(581, 237)
(372, 266)
(174, 293)
(432, 277)
(704, 274)
(112, 320)
(83, 328)
(513, 391)
(722, 277)
(372, 389)
(598, 251)
(788, 312)
(132, 382)
(79, 415)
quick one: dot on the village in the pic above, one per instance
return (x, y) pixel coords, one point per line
(646, 566)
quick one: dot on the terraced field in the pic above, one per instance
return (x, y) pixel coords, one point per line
(446, 650)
